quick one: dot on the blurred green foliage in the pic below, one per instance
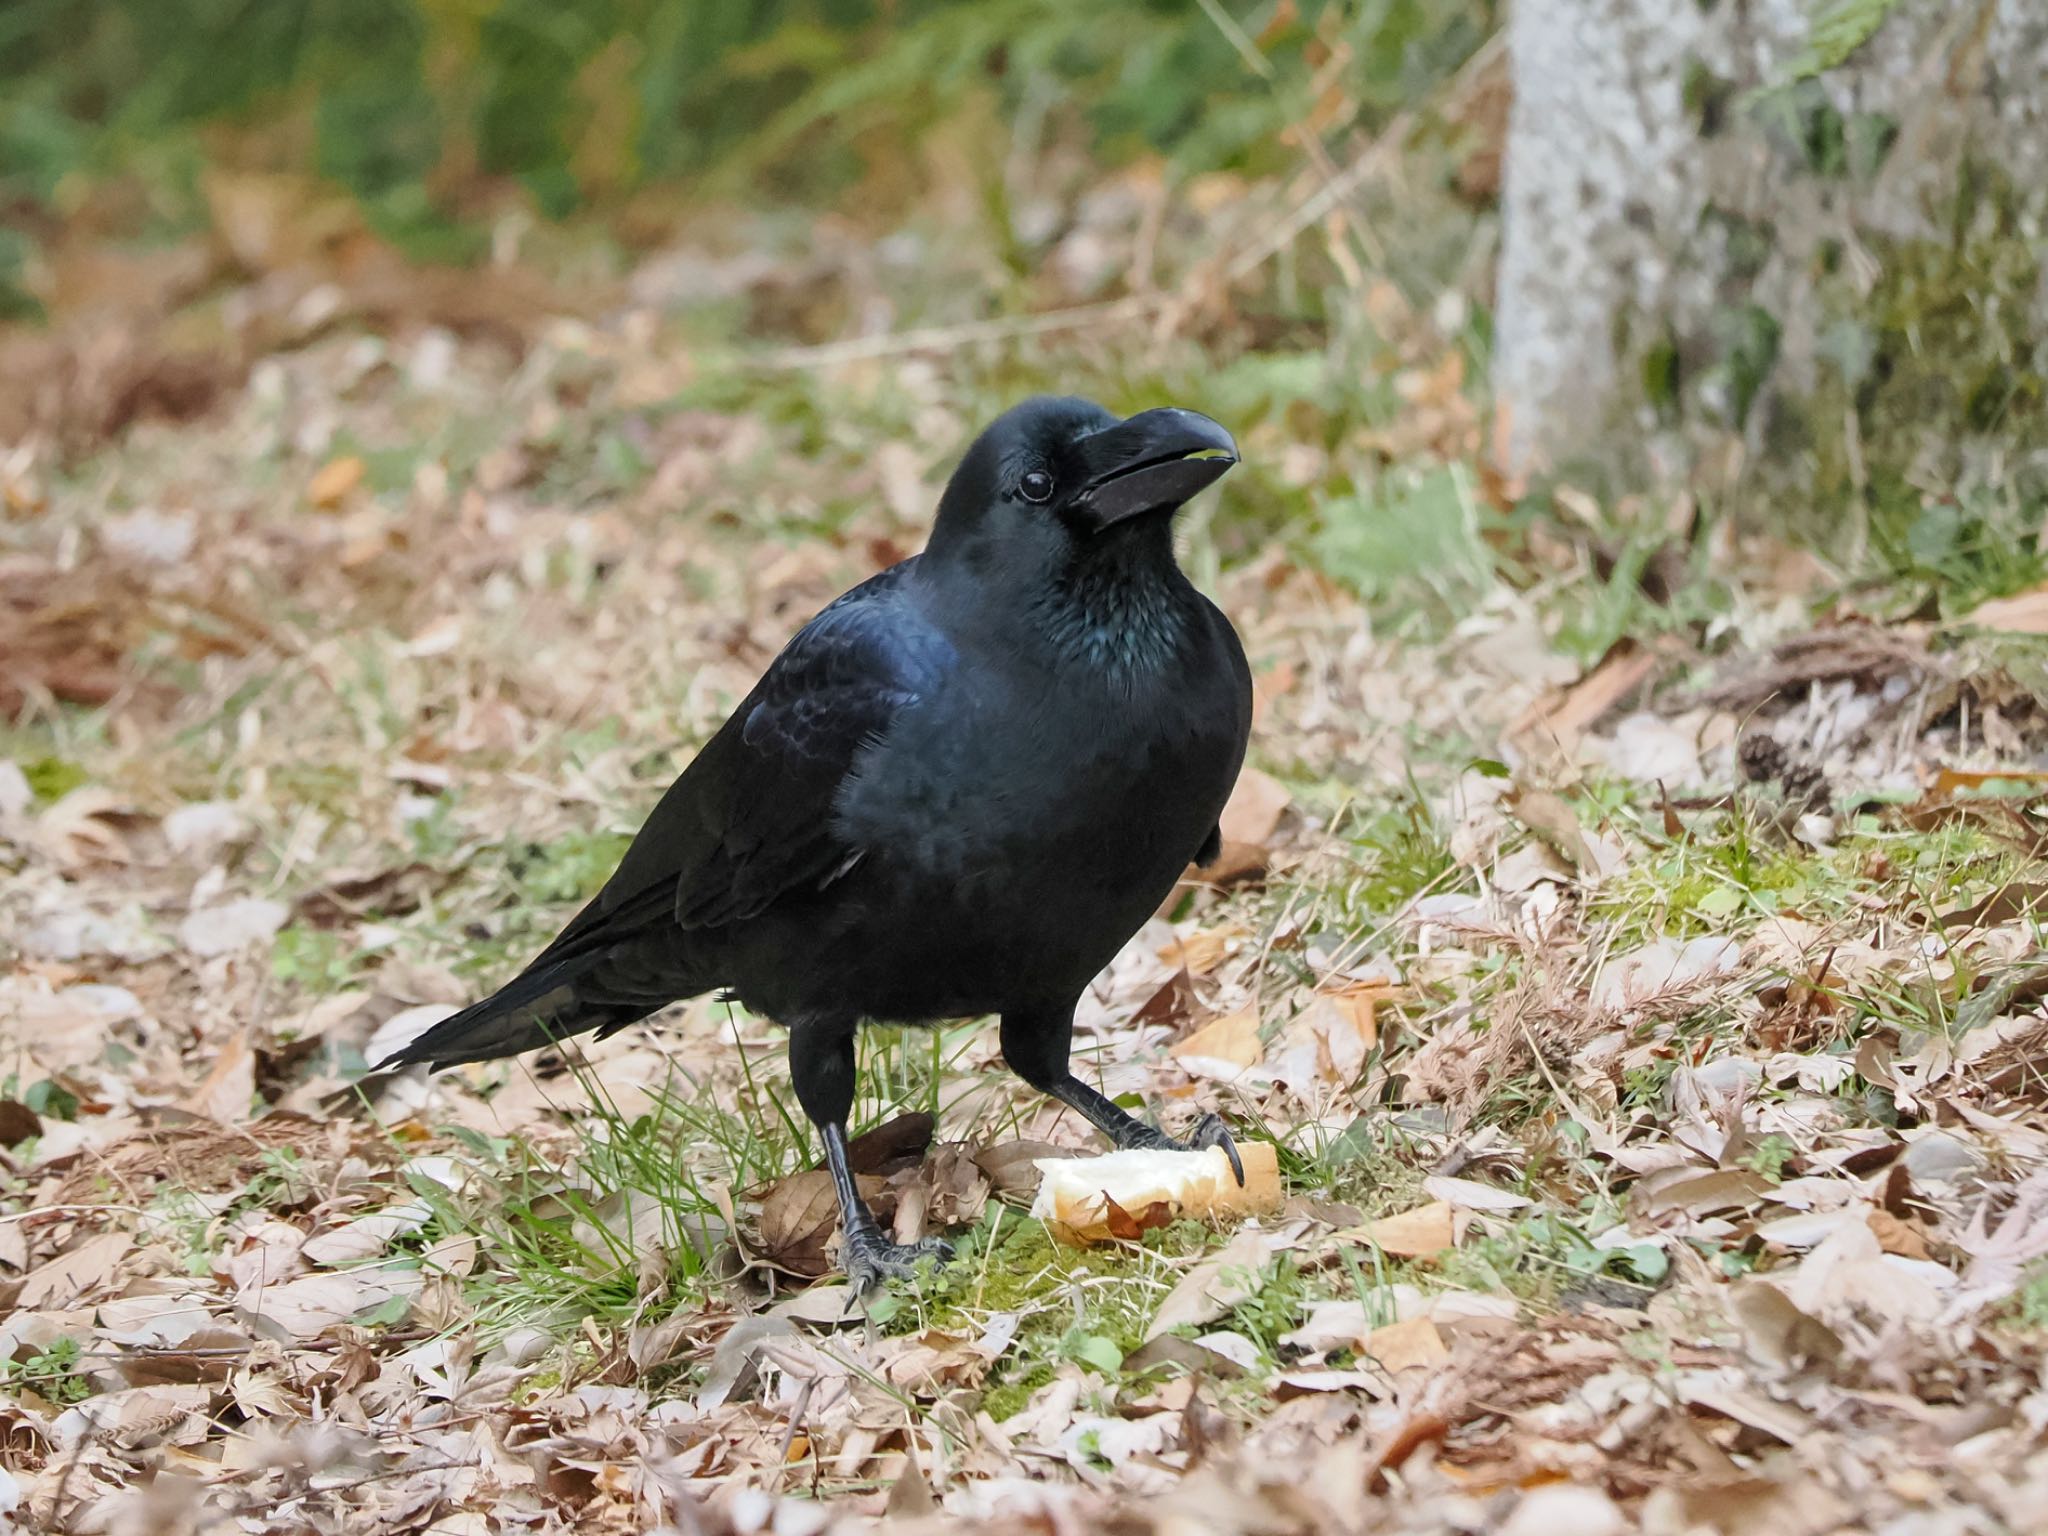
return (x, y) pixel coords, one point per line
(1837, 30)
(416, 105)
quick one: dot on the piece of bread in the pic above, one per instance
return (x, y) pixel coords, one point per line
(1123, 1194)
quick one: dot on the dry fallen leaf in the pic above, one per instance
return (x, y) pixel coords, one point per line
(732, 1362)
(1650, 749)
(911, 1495)
(308, 1306)
(1012, 1167)
(1558, 1509)
(1234, 1039)
(1470, 1195)
(897, 1143)
(17, 1123)
(1417, 1234)
(956, 1189)
(1343, 1031)
(1348, 1323)
(1361, 1004)
(201, 830)
(1253, 812)
(1777, 1332)
(1556, 823)
(828, 1306)
(1692, 1192)
(2024, 613)
(2013, 900)
(1799, 1505)
(1565, 716)
(367, 1236)
(228, 1090)
(1900, 1237)
(70, 1276)
(332, 482)
(1398, 1346)
(799, 1214)
(1200, 953)
(936, 1362)
(232, 926)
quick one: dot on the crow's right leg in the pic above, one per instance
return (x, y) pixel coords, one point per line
(821, 1066)
(1037, 1046)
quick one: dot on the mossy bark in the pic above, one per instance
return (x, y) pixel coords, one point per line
(1827, 284)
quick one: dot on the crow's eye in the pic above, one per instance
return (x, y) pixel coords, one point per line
(1036, 485)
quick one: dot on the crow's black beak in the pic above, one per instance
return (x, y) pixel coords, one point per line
(1149, 462)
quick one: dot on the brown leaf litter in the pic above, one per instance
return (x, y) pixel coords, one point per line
(1606, 1208)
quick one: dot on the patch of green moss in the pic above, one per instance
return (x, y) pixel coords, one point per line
(1661, 375)
(1030, 1267)
(1747, 341)
(1089, 1305)
(1807, 126)
(1009, 1398)
(52, 778)
(2029, 1305)
(1747, 244)
(1942, 371)
(541, 1384)
(1708, 97)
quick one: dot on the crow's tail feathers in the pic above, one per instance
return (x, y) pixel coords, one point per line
(548, 1003)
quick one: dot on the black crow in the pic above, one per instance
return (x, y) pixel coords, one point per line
(957, 792)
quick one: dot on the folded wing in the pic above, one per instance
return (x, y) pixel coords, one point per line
(750, 819)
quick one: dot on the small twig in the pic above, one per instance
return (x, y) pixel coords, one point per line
(147, 1352)
(1247, 50)
(81, 1210)
(797, 1410)
(950, 338)
(266, 1506)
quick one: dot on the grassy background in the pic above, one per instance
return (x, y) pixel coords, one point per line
(429, 112)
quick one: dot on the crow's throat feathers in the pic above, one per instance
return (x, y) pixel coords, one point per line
(1121, 604)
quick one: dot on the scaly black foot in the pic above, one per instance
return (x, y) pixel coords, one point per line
(869, 1258)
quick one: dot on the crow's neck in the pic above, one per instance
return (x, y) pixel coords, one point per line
(1120, 606)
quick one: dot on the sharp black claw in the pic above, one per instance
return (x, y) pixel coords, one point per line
(1212, 1132)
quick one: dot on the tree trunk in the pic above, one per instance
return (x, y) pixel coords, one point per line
(1716, 236)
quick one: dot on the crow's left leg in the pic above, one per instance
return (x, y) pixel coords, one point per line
(821, 1066)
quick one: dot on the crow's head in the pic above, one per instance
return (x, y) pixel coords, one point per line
(1056, 477)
